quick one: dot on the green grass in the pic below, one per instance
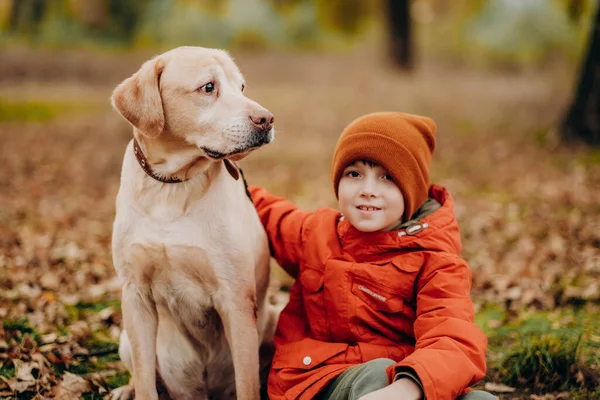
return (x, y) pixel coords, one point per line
(7, 370)
(549, 362)
(99, 306)
(36, 111)
(103, 349)
(103, 352)
(113, 382)
(544, 352)
(18, 329)
(77, 311)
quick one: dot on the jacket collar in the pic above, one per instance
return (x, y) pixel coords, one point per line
(435, 232)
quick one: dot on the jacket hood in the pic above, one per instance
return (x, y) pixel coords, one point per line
(436, 232)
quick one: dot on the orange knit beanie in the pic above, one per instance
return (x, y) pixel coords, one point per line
(400, 143)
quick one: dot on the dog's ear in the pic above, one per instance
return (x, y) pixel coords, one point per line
(138, 98)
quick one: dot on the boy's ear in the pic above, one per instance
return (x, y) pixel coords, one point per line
(138, 98)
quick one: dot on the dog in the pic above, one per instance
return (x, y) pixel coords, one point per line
(187, 242)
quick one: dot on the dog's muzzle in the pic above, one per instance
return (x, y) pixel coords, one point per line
(256, 140)
(261, 137)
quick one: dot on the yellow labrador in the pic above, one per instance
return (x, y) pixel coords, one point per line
(187, 241)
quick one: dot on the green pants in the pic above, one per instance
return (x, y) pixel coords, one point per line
(371, 376)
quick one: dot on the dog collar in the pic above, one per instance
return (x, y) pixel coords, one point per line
(143, 161)
(233, 170)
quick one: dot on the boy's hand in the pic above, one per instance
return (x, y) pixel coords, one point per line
(402, 389)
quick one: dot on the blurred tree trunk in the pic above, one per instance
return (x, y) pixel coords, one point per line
(26, 15)
(400, 33)
(15, 12)
(582, 121)
(125, 17)
(575, 9)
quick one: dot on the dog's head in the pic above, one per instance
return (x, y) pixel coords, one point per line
(195, 94)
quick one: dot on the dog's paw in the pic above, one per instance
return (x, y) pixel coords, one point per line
(122, 393)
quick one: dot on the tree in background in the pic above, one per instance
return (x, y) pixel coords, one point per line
(575, 9)
(115, 19)
(582, 121)
(213, 23)
(125, 16)
(345, 16)
(26, 15)
(400, 33)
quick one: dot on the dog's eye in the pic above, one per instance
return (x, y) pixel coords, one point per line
(243, 87)
(208, 88)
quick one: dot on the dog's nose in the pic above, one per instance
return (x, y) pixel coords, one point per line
(263, 119)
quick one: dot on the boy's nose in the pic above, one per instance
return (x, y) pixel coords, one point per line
(369, 187)
(367, 191)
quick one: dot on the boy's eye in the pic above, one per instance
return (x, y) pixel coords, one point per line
(387, 177)
(353, 174)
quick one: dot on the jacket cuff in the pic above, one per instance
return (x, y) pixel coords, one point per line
(425, 381)
(409, 373)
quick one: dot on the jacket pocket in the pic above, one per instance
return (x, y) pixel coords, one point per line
(396, 276)
(376, 297)
(311, 279)
(306, 354)
(379, 312)
(313, 300)
(411, 267)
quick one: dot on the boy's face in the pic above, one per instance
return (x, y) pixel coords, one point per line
(369, 198)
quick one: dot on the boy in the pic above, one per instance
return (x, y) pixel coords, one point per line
(380, 308)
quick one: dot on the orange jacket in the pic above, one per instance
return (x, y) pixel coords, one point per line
(358, 296)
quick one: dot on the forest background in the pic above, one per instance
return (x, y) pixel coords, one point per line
(498, 76)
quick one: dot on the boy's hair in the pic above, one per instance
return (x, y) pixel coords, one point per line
(368, 163)
(400, 143)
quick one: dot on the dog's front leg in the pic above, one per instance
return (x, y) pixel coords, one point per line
(141, 323)
(239, 321)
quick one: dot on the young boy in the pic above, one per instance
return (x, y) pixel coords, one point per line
(380, 308)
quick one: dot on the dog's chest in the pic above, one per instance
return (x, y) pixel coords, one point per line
(188, 293)
(186, 274)
(183, 286)
(194, 315)
(221, 242)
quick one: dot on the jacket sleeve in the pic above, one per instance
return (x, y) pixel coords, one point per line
(450, 349)
(283, 221)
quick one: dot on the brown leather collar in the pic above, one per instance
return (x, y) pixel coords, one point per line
(143, 161)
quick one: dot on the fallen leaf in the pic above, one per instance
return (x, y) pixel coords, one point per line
(49, 338)
(494, 323)
(106, 313)
(42, 363)
(71, 387)
(17, 386)
(498, 387)
(24, 370)
(21, 387)
(50, 281)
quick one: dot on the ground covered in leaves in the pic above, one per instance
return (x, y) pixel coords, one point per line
(528, 205)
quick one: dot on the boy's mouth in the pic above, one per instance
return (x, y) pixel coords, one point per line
(368, 208)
